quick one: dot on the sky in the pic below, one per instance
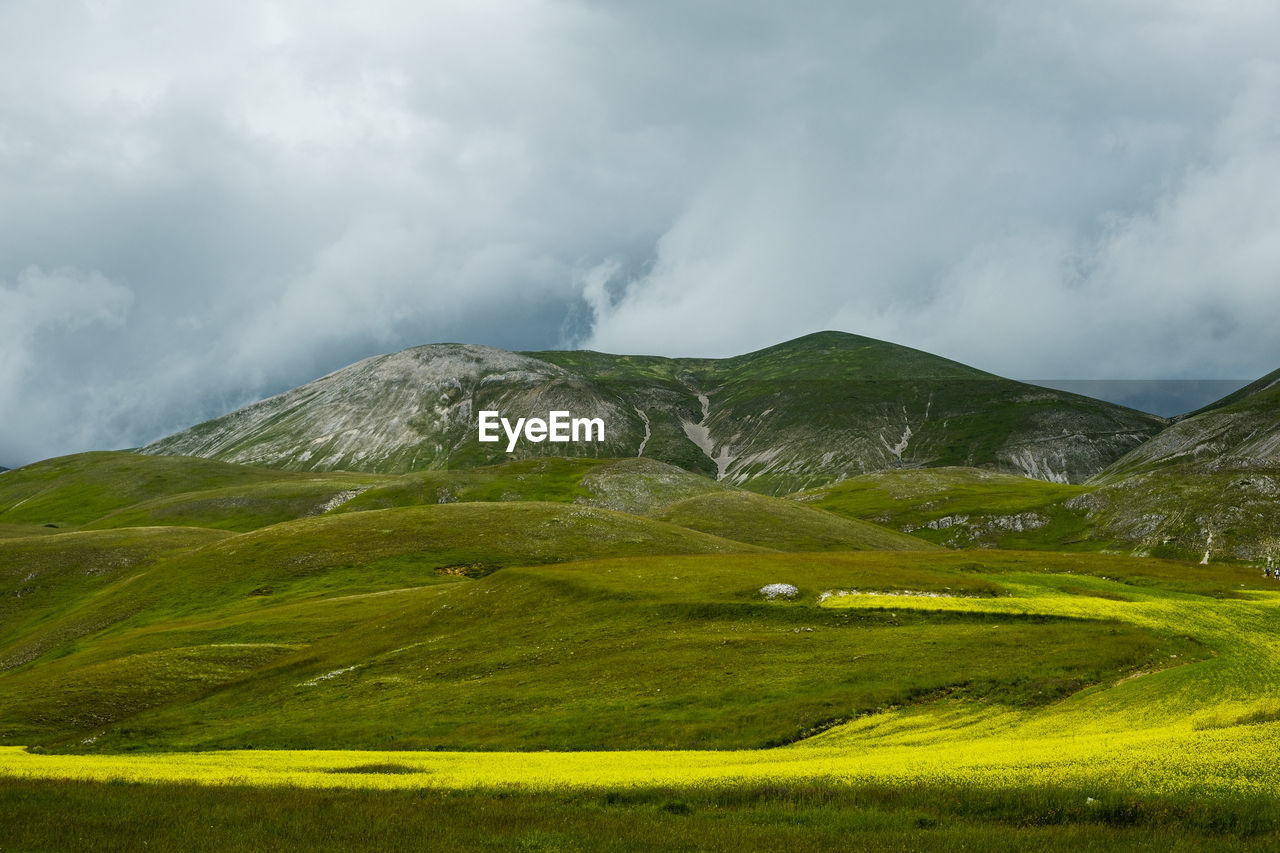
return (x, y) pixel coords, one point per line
(202, 203)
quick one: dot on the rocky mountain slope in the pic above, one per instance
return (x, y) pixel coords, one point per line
(1208, 484)
(1240, 431)
(1207, 488)
(801, 414)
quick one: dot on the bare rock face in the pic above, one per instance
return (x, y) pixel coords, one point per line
(406, 411)
(804, 413)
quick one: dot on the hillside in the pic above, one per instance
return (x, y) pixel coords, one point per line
(115, 489)
(1207, 485)
(1168, 512)
(804, 413)
(965, 508)
(782, 524)
(100, 490)
(1176, 512)
(605, 654)
(635, 485)
(1240, 432)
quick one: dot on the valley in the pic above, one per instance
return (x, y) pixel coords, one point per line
(714, 629)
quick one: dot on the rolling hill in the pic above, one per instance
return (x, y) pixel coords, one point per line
(785, 525)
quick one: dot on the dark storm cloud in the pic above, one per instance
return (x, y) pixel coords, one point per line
(203, 203)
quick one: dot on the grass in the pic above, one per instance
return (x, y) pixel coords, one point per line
(1167, 512)
(807, 817)
(399, 671)
(311, 558)
(241, 508)
(630, 485)
(603, 654)
(1190, 726)
(1170, 511)
(964, 508)
(73, 490)
(551, 479)
(785, 525)
(45, 576)
(119, 489)
(595, 655)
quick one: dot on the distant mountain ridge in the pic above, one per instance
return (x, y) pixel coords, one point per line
(807, 412)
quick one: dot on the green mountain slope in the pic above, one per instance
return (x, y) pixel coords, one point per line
(1207, 486)
(831, 405)
(44, 579)
(113, 490)
(1177, 512)
(1223, 510)
(804, 413)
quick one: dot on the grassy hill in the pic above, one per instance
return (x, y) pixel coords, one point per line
(1208, 485)
(628, 485)
(604, 654)
(1225, 511)
(1175, 511)
(42, 578)
(781, 524)
(965, 508)
(116, 489)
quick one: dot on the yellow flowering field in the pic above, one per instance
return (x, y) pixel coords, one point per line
(1207, 727)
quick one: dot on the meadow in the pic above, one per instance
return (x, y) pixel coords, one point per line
(542, 674)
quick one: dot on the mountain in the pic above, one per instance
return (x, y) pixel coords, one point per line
(1208, 485)
(1242, 430)
(805, 413)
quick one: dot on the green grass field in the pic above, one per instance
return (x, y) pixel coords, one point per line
(518, 669)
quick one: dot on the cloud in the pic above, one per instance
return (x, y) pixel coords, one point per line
(1051, 194)
(43, 311)
(1084, 189)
